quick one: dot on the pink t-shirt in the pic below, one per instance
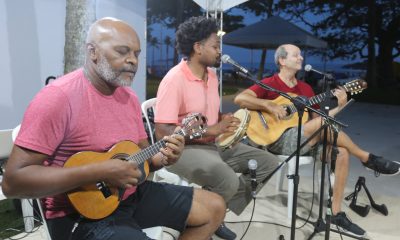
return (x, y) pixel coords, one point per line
(70, 115)
(180, 93)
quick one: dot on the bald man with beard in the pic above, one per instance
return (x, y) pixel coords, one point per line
(92, 109)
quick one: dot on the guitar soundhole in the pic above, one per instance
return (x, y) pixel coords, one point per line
(288, 112)
(121, 156)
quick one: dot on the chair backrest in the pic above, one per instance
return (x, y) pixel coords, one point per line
(6, 143)
(146, 105)
(15, 132)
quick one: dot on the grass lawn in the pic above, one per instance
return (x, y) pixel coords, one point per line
(11, 222)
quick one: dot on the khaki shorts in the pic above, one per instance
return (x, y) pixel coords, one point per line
(287, 143)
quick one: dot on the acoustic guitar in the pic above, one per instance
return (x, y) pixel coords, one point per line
(96, 201)
(265, 129)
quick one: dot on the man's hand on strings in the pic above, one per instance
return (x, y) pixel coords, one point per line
(173, 149)
(341, 95)
(278, 111)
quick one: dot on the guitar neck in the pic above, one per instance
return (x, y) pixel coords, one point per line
(150, 151)
(320, 97)
(313, 100)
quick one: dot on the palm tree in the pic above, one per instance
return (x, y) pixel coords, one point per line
(154, 43)
(168, 43)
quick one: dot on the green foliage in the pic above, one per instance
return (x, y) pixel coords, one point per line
(11, 222)
(389, 96)
(366, 29)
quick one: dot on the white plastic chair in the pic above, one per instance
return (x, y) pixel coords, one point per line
(6, 145)
(291, 167)
(161, 174)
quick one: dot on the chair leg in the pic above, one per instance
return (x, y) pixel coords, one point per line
(280, 178)
(291, 170)
(27, 213)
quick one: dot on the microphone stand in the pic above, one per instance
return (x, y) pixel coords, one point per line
(300, 105)
(320, 225)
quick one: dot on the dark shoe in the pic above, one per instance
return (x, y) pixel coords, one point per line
(382, 166)
(344, 224)
(225, 233)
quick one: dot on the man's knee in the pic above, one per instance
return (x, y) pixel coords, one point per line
(207, 207)
(270, 161)
(217, 205)
(343, 157)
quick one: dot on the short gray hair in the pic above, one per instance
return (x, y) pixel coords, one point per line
(280, 53)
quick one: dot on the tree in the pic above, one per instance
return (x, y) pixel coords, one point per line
(154, 44)
(171, 13)
(168, 43)
(355, 29)
(80, 14)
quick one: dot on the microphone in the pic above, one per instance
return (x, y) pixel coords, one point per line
(252, 165)
(308, 68)
(226, 59)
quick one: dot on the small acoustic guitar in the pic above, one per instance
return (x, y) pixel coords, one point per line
(96, 201)
(265, 129)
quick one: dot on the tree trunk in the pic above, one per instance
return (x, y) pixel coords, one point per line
(371, 64)
(385, 63)
(80, 14)
(262, 63)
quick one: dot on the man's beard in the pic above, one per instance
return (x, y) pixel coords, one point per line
(217, 64)
(109, 75)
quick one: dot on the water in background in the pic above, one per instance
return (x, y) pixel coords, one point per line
(337, 69)
(341, 74)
